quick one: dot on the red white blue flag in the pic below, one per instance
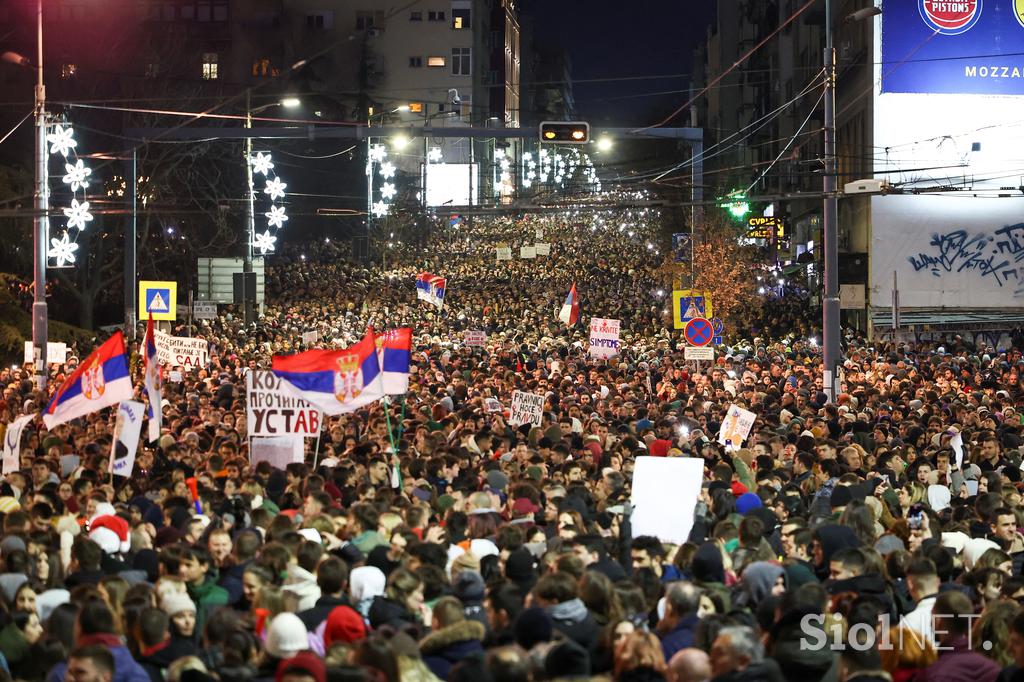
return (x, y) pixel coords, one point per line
(394, 351)
(336, 381)
(100, 381)
(570, 312)
(430, 288)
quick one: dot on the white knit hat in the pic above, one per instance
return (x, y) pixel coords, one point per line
(286, 636)
(174, 603)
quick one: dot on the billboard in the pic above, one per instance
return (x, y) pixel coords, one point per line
(953, 47)
(950, 144)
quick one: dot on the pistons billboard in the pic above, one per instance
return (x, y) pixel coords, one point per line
(970, 47)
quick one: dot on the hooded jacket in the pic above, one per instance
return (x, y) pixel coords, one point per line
(832, 538)
(572, 619)
(446, 647)
(302, 584)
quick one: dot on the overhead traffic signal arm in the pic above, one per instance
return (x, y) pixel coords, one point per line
(565, 132)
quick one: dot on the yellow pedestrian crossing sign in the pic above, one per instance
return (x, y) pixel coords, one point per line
(158, 298)
(688, 304)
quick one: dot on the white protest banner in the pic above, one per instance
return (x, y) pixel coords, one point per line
(309, 338)
(280, 451)
(271, 410)
(504, 253)
(474, 337)
(735, 427)
(126, 438)
(538, 233)
(527, 408)
(180, 351)
(204, 311)
(527, 252)
(56, 353)
(665, 493)
(12, 437)
(492, 404)
(604, 337)
(175, 376)
(699, 353)
(542, 249)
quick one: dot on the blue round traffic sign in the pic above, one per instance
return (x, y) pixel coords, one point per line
(698, 331)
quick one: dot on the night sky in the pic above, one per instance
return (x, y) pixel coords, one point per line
(614, 39)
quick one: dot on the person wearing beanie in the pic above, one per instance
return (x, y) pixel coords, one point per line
(303, 667)
(182, 612)
(286, 637)
(344, 624)
(747, 502)
(533, 626)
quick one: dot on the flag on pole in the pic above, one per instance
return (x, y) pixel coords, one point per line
(152, 382)
(394, 352)
(336, 381)
(570, 312)
(101, 381)
(430, 288)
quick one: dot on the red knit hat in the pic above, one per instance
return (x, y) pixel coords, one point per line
(659, 448)
(738, 488)
(110, 533)
(344, 624)
(305, 662)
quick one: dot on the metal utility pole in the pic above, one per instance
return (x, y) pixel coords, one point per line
(250, 222)
(41, 223)
(830, 298)
(130, 236)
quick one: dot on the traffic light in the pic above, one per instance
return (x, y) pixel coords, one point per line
(565, 132)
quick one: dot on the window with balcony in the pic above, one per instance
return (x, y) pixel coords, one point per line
(364, 20)
(210, 66)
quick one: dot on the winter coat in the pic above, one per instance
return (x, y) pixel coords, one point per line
(681, 636)
(302, 584)
(313, 617)
(763, 671)
(446, 647)
(957, 662)
(572, 619)
(384, 611)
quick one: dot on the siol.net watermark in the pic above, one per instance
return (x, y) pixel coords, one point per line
(820, 632)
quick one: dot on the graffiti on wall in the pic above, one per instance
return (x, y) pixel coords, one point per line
(995, 256)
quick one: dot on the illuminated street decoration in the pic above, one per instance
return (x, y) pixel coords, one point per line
(76, 177)
(274, 188)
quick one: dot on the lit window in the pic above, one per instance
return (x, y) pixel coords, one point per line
(416, 107)
(68, 70)
(210, 66)
(261, 68)
(460, 19)
(435, 61)
(460, 61)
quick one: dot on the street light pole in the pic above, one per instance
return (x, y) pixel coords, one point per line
(830, 298)
(41, 222)
(250, 221)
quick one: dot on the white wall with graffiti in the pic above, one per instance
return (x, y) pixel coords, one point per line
(948, 252)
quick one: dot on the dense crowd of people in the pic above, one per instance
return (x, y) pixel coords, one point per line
(874, 537)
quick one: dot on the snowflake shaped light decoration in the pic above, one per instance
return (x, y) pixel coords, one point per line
(264, 242)
(262, 164)
(276, 216)
(78, 215)
(77, 175)
(275, 188)
(380, 209)
(62, 140)
(387, 170)
(76, 178)
(388, 191)
(435, 155)
(378, 153)
(62, 250)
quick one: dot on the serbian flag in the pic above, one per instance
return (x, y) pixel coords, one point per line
(430, 288)
(336, 381)
(394, 352)
(100, 381)
(570, 312)
(152, 381)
